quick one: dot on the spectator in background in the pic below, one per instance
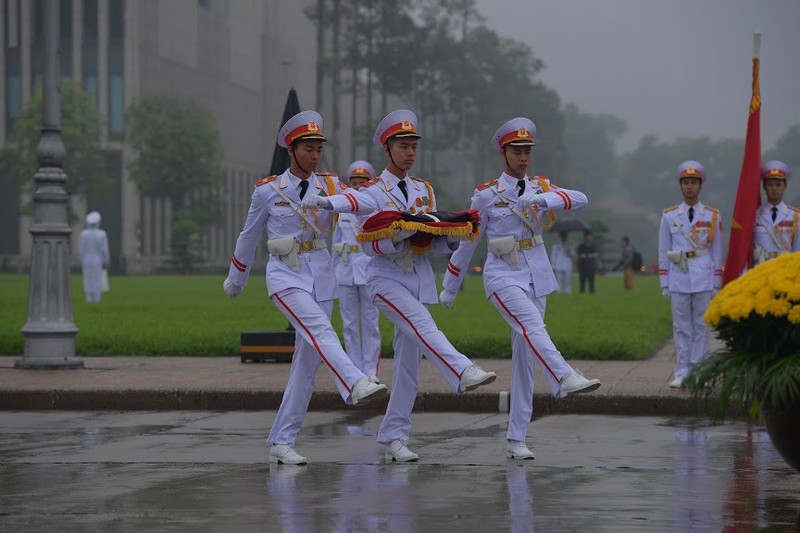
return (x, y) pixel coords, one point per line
(626, 262)
(587, 261)
(561, 256)
(94, 254)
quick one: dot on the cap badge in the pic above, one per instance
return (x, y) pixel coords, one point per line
(406, 125)
(312, 126)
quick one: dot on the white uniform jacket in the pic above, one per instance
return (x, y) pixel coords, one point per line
(774, 237)
(701, 244)
(494, 200)
(350, 261)
(383, 194)
(270, 212)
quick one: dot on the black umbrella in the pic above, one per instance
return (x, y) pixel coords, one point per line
(280, 157)
(569, 224)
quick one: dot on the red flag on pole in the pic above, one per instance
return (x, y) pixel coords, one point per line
(748, 195)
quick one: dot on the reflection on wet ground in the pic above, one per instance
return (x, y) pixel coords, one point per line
(207, 471)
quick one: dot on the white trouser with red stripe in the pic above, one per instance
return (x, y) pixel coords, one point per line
(691, 333)
(362, 336)
(415, 334)
(530, 345)
(315, 342)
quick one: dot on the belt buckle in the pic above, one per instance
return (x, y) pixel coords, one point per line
(691, 254)
(354, 248)
(525, 244)
(306, 246)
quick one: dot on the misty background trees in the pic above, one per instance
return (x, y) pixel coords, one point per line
(463, 80)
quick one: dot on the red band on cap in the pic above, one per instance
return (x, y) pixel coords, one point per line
(521, 134)
(306, 129)
(402, 127)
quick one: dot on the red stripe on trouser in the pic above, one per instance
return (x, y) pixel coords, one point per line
(314, 343)
(428, 346)
(525, 334)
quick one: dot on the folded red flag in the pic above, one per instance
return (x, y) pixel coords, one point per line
(382, 225)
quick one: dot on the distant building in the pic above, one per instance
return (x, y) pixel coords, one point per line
(237, 58)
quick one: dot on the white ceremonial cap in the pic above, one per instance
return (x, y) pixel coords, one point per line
(360, 169)
(304, 125)
(398, 123)
(519, 131)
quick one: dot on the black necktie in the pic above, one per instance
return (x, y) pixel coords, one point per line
(521, 185)
(774, 213)
(303, 188)
(402, 185)
(691, 214)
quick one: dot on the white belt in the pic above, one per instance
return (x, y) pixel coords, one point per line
(695, 253)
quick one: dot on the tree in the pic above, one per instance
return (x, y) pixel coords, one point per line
(178, 157)
(80, 133)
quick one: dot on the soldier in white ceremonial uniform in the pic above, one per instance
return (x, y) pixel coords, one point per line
(775, 230)
(690, 268)
(300, 280)
(362, 336)
(401, 281)
(517, 275)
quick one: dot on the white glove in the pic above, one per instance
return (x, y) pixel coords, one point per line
(665, 293)
(529, 199)
(402, 234)
(231, 289)
(313, 201)
(447, 298)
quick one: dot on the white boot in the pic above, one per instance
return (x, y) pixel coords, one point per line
(285, 455)
(473, 377)
(518, 450)
(398, 452)
(574, 382)
(365, 391)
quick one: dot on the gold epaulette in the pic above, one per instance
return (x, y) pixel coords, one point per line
(793, 208)
(266, 179)
(486, 185)
(714, 209)
(670, 208)
(415, 178)
(532, 178)
(373, 181)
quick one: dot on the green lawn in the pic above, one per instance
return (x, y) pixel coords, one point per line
(190, 315)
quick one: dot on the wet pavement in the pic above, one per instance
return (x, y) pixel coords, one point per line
(208, 471)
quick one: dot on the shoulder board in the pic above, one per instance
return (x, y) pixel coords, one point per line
(532, 178)
(793, 208)
(670, 208)
(373, 181)
(712, 209)
(415, 178)
(266, 179)
(486, 185)
(342, 185)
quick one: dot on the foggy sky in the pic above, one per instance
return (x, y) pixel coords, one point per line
(667, 67)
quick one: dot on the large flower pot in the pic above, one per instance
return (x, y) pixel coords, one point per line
(783, 427)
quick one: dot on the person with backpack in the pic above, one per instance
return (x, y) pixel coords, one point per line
(628, 262)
